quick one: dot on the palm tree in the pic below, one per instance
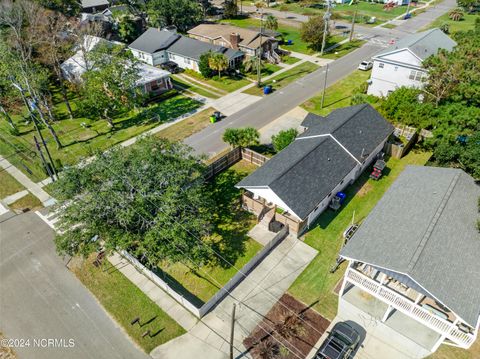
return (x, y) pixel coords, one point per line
(218, 62)
(271, 22)
(456, 14)
(251, 64)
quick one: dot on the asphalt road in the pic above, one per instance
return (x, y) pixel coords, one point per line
(209, 141)
(41, 299)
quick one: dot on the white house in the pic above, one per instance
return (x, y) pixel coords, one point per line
(302, 179)
(152, 80)
(401, 64)
(413, 265)
(156, 47)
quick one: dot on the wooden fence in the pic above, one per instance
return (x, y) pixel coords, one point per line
(233, 157)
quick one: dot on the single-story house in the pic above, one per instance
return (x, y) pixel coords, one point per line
(158, 46)
(401, 64)
(247, 40)
(413, 264)
(301, 180)
(94, 6)
(152, 80)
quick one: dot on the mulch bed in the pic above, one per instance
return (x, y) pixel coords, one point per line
(294, 330)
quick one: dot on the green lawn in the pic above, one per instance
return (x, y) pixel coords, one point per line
(465, 24)
(81, 140)
(345, 11)
(202, 91)
(288, 33)
(28, 202)
(289, 60)
(315, 284)
(8, 184)
(449, 352)
(225, 83)
(124, 301)
(188, 126)
(231, 225)
(343, 49)
(284, 78)
(338, 95)
(267, 70)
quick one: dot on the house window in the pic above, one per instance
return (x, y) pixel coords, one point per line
(187, 61)
(416, 75)
(381, 65)
(396, 68)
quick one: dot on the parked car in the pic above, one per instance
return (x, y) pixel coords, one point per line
(340, 343)
(170, 66)
(365, 65)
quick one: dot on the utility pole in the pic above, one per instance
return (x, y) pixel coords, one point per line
(353, 25)
(232, 330)
(259, 64)
(326, 18)
(45, 164)
(324, 87)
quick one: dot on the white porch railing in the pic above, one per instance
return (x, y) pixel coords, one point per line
(408, 307)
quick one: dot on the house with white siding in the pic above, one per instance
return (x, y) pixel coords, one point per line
(402, 63)
(298, 183)
(413, 267)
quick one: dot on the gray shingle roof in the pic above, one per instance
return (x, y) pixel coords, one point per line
(424, 227)
(308, 170)
(193, 49)
(423, 44)
(154, 40)
(94, 3)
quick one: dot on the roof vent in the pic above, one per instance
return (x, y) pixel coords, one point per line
(328, 159)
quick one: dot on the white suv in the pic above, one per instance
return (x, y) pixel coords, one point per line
(365, 65)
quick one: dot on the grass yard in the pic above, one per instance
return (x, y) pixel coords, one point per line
(225, 83)
(289, 60)
(315, 284)
(187, 127)
(82, 136)
(337, 95)
(28, 202)
(389, 26)
(202, 91)
(267, 70)
(288, 33)
(231, 225)
(284, 78)
(465, 24)
(124, 301)
(449, 352)
(343, 49)
(8, 184)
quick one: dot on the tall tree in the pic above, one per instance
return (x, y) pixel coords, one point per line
(218, 62)
(312, 31)
(271, 22)
(180, 13)
(110, 86)
(242, 137)
(146, 199)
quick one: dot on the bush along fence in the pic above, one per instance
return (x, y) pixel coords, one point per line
(233, 157)
(200, 311)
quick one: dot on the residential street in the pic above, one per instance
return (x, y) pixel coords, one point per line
(41, 299)
(209, 141)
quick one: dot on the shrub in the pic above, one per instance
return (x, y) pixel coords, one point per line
(283, 139)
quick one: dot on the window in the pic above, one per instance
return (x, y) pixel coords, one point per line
(396, 68)
(187, 61)
(381, 65)
(416, 75)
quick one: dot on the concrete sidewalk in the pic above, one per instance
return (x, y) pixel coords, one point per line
(26, 182)
(254, 297)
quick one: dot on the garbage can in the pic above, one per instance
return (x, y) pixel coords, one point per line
(289, 42)
(213, 119)
(342, 197)
(267, 89)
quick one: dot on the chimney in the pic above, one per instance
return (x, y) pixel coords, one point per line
(235, 40)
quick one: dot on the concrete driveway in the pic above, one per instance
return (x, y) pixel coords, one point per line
(41, 299)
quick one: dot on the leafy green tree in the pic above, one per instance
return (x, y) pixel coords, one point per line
(204, 65)
(109, 88)
(283, 139)
(218, 62)
(469, 5)
(183, 14)
(127, 29)
(271, 22)
(241, 137)
(251, 64)
(230, 9)
(136, 199)
(312, 31)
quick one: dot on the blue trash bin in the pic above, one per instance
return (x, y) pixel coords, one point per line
(289, 42)
(342, 197)
(267, 89)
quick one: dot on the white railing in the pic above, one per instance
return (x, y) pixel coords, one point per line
(407, 306)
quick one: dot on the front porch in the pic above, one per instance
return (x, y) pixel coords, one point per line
(403, 304)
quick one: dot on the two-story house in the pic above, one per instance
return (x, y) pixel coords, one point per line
(401, 64)
(413, 265)
(297, 184)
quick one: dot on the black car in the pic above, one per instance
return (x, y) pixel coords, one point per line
(170, 66)
(340, 344)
